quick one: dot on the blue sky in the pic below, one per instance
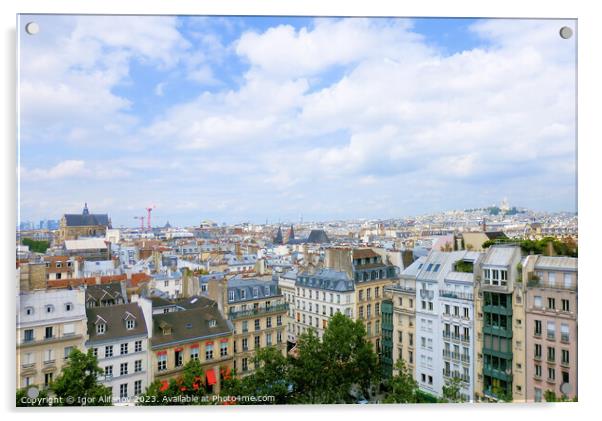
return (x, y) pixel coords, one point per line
(252, 118)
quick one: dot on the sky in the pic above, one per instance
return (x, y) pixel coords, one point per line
(236, 119)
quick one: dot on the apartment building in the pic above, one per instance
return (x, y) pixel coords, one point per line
(189, 329)
(456, 303)
(403, 296)
(169, 282)
(118, 337)
(50, 323)
(499, 325)
(430, 344)
(286, 283)
(371, 275)
(61, 267)
(551, 325)
(258, 312)
(319, 296)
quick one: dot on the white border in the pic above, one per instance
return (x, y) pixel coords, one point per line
(590, 68)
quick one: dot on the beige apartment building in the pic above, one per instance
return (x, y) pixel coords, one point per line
(50, 324)
(403, 296)
(259, 313)
(551, 325)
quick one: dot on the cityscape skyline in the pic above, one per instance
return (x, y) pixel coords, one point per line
(208, 119)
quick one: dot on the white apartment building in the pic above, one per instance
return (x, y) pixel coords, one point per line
(119, 339)
(456, 295)
(429, 346)
(50, 323)
(319, 296)
(169, 282)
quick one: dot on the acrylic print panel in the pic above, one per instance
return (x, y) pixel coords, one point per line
(255, 210)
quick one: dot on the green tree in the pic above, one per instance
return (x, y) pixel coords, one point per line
(451, 390)
(37, 246)
(77, 385)
(271, 378)
(403, 387)
(187, 389)
(23, 398)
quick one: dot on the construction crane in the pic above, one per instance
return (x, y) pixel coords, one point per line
(141, 222)
(148, 216)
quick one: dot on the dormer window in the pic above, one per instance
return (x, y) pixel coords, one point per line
(129, 324)
(59, 264)
(49, 308)
(101, 328)
(255, 292)
(29, 311)
(231, 295)
(68, 307)
(243, 294)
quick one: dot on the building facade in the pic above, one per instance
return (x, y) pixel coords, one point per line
(551, 325)
(118, 337)
(86, 224)
(50, 324)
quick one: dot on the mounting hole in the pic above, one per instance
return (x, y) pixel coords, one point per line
(566, 32)
(32, 28)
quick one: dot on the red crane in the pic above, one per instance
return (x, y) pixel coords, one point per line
(141, 222)
(148, 216)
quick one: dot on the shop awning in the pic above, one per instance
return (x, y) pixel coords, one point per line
(211, 380)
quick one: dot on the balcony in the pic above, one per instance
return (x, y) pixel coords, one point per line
(456, 375)
(505, 375)
(452, 336)
(497, 331)
(278, 308)
(564, 339)
(465, 358)
(456, 295)
(506, 311)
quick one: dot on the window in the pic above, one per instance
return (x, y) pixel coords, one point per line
(552, 279)
(538, 351)
(565, 305)
(278, 320)
(95, 352)
(109, 371)
(223, 349)
(565, 356)
(162, 362)
(47, 379)
(243, 294)
(551, 329)
(28, 335)
(537, 370)
(68, 329)
(466, 316)
(29, 311)
(108, 351)
(137, 346)
(245, 344)
(537, 394)
(123, 349)
(230, 295)
(48, 333)
(194, 353)
(551, 354)
(551, 373)
(456, 311)
(430, 306)
(68, 307)
(256, 324)
(137, 366)
(208, 351)
(123, 390)
(564, 332)
(123, 369)
(257, 342)
(268, 339)
(245, 364)
(137, 387)
(537, 328)
(101, 328)
(129, 324)
(537, 301)
(552, 303)
(268, 322)
(68, 350)
(568, 280)
(376, 309)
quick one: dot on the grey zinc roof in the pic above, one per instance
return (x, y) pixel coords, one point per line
(326, 279)
(317, 236)
(237, 285)
(459, 277)
(109, 291)
(556, 263)
(115, 319)
(188, 326)
(79, 220)
(499, 256)
(412, 270)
